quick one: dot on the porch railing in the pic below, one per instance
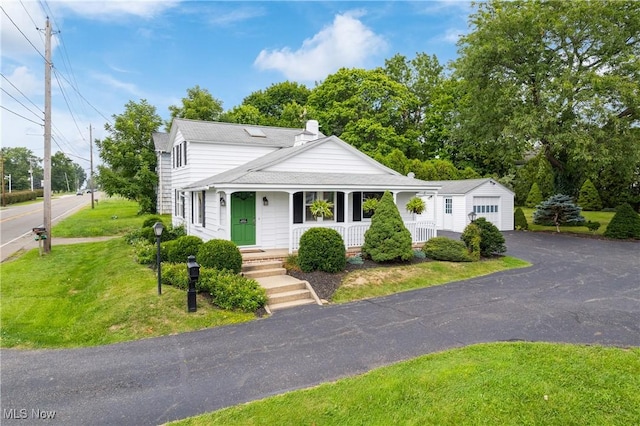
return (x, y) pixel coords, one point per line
(353, 233)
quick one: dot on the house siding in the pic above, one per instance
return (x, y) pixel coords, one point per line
(164, 205)
(209, 159)
(330, 153)
(273, 220)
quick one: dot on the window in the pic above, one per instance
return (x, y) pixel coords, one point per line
(198, 207)
(310, 197)
(181, 204)
(365, 197)
(448, 205)
(180, 155)
(487, 208)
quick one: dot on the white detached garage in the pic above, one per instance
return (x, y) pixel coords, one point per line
(457, 198)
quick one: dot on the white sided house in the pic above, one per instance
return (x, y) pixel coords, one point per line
(450, 208)
(254, 185)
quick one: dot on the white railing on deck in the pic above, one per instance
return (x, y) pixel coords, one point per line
(353, 233)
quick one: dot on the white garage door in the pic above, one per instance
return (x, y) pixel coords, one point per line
(489, 208)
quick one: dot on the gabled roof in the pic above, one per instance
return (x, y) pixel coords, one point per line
(255, 172)
(230, 133)
(161, 141)
(461, 187)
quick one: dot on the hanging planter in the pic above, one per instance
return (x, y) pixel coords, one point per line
(321, 209)
(369, 205)
(416, 205)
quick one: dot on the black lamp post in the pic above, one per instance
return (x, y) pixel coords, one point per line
(194, 273)
(472, 216)
(158, 227)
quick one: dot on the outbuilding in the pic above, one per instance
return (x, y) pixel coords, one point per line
(450, 209)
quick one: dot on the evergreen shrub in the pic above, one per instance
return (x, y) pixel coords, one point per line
(443, 248)
(220, 254)
(592, 226)
(322, 249)
(520, 220)
(387, 239)
(535, 196)
(180, 249)
(558, 210)
(491, 239)
(473, 235)
(176, 275)
(232, 291)
(624, 224)
(588, 197)
(151, 220)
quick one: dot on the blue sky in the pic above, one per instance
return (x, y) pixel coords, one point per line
(108, 53)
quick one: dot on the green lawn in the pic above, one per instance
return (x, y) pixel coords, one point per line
(93, 294)
(111, 216)
(603, 217)
(487, 384)
(384, 281)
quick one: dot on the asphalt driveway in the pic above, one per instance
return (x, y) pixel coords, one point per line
(578, 291)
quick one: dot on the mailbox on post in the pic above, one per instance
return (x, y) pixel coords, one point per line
(194, 273)
(41, 234)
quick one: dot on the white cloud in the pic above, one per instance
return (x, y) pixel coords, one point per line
(107, 10)
(235, 16)
(117, 84)
(452, 35)
(18, 32)
(347, 42)
(26, 81)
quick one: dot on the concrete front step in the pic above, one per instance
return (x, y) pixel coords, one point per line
(285, 291)
(255, 266)
(259, 273)
(292, 304)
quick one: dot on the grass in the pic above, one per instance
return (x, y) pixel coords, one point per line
(111, 216)
(486, 384)
(384, 281)
(93, 294)
(603, 217)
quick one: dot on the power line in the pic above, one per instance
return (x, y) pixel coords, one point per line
(84, 99)
(15, 99)
(68, 106)
(19, 91)
(32, 21)
(21, 116)
(23, 34)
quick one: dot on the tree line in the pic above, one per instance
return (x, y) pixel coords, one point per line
(543, 92)
(23, 165)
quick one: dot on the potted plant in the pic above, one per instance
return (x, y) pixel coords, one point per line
(321, 209)
(369, 205)
(416, 205)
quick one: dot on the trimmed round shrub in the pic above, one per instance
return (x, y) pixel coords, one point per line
(588, 197)
(232, 291)
(179, 250)
(387, 239)
(322, 249)
(624, 224)
(220, 254)
(520, 220)
(443, 248)
(592, 226)
(491, 239)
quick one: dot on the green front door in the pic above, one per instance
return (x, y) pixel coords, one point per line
(243, 218)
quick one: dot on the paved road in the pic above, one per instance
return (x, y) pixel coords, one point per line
(17, 222)
(578, 291)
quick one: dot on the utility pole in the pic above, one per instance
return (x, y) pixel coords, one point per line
(2, 174)
(91, 162)
(47, 137)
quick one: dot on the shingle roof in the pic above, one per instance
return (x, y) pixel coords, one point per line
(458, 187)
(161, 141)
(230, 133)
(304, 179)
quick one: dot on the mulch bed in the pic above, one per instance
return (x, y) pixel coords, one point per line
(325, 283)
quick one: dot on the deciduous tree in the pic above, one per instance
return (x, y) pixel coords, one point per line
(129, 157)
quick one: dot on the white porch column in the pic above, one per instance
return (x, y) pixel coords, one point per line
(290, 222)
(228, 212)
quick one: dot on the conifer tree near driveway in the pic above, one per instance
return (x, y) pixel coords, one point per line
(387, 239)
(558, 210)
